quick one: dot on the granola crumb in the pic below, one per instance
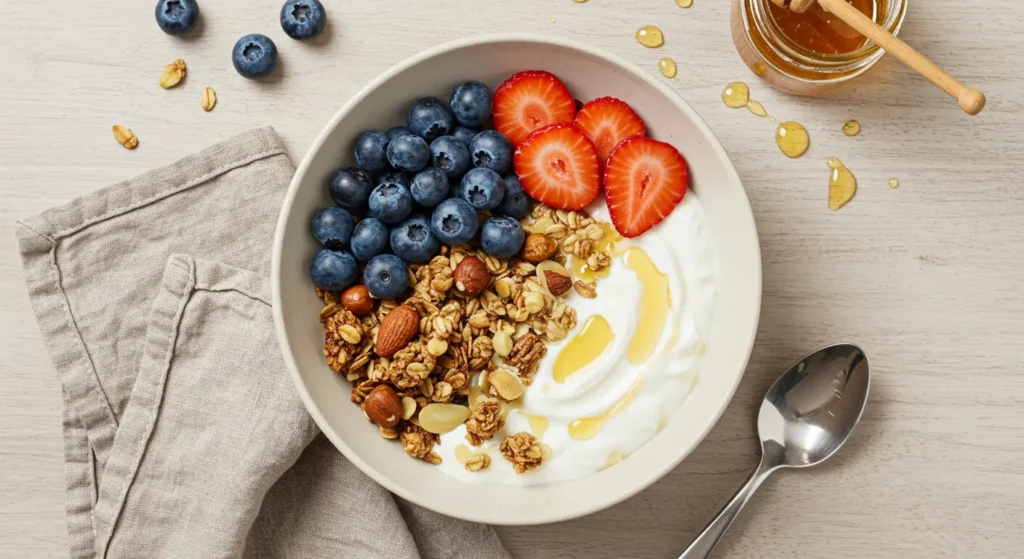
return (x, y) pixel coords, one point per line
(478, 462)
(411, 366)
(486, 420)
(522, 451)
(418, 443)
(526, 354)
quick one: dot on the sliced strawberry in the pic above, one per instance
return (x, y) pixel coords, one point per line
(531, 100)
(558, 166)
(607, 121)
(644, 180)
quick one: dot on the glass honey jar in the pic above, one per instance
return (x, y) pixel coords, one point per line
(812, 53)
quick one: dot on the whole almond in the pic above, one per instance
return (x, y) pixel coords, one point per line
(472, 276)
(173, 74)
(357, 299)
(396, 330)
(209, 99)
(125, 137)
(555, 277)
(383, 406)
(538, 248)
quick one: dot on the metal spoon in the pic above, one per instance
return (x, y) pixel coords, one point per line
(806, 416)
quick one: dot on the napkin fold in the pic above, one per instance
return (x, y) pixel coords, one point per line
(183, 435)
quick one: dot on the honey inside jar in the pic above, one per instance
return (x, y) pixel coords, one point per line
(819, 31)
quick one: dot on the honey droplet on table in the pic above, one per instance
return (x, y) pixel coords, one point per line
(756, 108)
(736, 95)
(650, 37)
(579, 1)
(684, 3)
(792, 139)
(842, 185)
(668, 67)
(894, 182)
(851, 128)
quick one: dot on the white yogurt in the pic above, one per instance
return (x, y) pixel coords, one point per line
(681, 248)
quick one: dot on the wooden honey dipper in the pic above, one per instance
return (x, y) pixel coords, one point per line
(971, 100)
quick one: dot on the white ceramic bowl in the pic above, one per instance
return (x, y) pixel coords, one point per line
(588, 73)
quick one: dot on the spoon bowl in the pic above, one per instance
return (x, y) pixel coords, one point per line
(811, 410)
(805, 418)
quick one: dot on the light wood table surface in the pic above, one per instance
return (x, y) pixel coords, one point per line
(927, 278)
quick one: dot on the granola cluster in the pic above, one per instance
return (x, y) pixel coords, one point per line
(461, 338)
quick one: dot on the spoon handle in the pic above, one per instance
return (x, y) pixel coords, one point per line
(707, 540)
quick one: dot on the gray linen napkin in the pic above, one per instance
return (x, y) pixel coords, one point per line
(183, 436)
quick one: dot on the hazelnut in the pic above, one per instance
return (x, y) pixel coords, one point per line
(538, 248)
(472, 276)
(383, 406)
(357, 299)
(554, 277)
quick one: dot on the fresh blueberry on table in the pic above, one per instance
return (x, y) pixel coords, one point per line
(429, 187)
(396, 131)
(471, 104)
(386, 277)
(430, 118)
(483, 188)
(491, 149)
(516, 203)
(408, 153)
(332, 227)
(501, 236)
(176, 16)
(371, 151)
(369, 239)
(465, 135)
(350, 188)
(413, 242)
(454, 222)
(390, 202)
(333, 270)
(451, 156)
(392, 175)
(254, 56)
(303, 19)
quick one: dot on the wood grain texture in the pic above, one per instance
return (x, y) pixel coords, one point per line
(928, 278)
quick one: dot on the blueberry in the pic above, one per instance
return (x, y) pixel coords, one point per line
(303, 19)
(454, 222)
(391, 175)
(482, 188)
(371, 151)
(332, 227)
(430, 118)
(413, 242)
(465, 135)
(491, 149)
(386, 277)
(396, 131)
(369, 239)
(501, 236)
(450, 155)
(176, 16)
(390, 202)
(516, 204)
(429, 187)
(408, 153)
(350, 188)
(254, 56)
(333, 270)
(471, 104)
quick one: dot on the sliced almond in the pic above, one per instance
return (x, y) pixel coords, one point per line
(502, 343)
(408, 407)
(209, 99)
(442, 418)
(173, 74)
(506, 385)
(125, 137)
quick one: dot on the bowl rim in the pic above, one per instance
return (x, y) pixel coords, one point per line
(541, 517)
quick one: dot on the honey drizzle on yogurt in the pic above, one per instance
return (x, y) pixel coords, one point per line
(538, 424)
(586, 427)
(593, 339)
(655, 303)
(579, 268)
